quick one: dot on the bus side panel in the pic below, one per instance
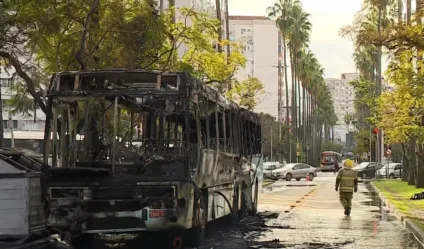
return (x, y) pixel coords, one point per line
(216, 176)
(216, 169)
(218, 206)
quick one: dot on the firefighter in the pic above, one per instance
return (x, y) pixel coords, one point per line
(347, 182)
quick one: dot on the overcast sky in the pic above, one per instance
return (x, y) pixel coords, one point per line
(327, 17)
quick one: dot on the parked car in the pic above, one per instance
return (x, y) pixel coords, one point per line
(393, 170)
(297, 171)
(272, 170)
(367, 169)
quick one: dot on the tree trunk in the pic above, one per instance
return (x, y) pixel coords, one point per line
(399, 10)
(219, 17)
(408, 11)
(405, 164)
(419, 178)
(320, 138)
(304, 112)
(412, 162)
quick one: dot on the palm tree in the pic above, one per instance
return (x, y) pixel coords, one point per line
(299, 38)
(281, 12)
(316, 104)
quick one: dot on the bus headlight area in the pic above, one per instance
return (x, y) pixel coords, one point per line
(84, 210)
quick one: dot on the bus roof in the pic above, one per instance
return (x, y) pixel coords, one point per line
(149, 78)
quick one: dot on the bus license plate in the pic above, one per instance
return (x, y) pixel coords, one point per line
(157, 213)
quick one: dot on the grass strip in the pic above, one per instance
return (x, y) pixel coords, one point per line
(399, 194)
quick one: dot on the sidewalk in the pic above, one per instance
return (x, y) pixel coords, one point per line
(396, 195)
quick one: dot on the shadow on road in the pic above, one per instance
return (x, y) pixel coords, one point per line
(247, 233)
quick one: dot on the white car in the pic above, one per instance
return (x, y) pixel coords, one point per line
(297, 171)
(272, 170)
(393, 170)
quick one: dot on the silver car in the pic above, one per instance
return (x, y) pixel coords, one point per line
(272, 170)
(297, 171)
(393, 170)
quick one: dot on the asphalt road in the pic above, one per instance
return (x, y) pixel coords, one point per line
(299, 216)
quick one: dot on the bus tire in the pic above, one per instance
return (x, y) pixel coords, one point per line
(196, 233)
(82, 241)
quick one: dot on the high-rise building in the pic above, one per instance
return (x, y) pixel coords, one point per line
(343, 95)
(259, 37)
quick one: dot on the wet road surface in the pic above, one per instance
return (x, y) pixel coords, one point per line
(300, 215)
(312, 217)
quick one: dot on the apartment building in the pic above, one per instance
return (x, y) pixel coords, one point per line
(19, 121)
(206, 6)
(259, 37)
(343, 95)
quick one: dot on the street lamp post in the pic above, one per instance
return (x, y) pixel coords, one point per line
(270, 127)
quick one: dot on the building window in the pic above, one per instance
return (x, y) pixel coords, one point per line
(246, 30)
(6, 124)
(6, 82)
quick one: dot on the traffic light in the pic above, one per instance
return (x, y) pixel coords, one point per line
(375, 130)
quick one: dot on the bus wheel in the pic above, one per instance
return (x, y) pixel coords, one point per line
(197, 232)
(82, 241)
(177, 243)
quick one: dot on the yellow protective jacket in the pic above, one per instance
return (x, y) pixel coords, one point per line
(346, 180)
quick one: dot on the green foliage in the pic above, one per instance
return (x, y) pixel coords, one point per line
(279, 146)
(247, 93)
(401, 111)
(316, 103)
(349, 118)
(101, 34)
(362, 138)
(332, 147)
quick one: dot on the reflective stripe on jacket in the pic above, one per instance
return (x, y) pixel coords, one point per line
(347, 180)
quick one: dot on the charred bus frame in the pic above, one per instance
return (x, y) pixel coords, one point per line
(143, 150)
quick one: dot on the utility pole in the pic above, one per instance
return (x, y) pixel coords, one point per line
(280, 92)
(161, 6)
(379, 142)
(227, 34)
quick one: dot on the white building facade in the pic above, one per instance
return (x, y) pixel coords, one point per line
(259, 35)
(205, 6)
(343, 95)
(19, 121)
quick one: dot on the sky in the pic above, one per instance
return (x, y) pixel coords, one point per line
(327, 18)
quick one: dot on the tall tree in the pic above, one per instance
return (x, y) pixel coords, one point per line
(106, 34)
(315, 108)
(281, 12)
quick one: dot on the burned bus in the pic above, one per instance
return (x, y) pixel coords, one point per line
(142, 151)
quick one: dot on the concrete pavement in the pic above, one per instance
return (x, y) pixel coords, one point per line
(312, 217)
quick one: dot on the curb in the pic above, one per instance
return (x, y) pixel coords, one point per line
(409, 224)
(267, 184)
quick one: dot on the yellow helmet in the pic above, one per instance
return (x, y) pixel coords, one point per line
(348, 163)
